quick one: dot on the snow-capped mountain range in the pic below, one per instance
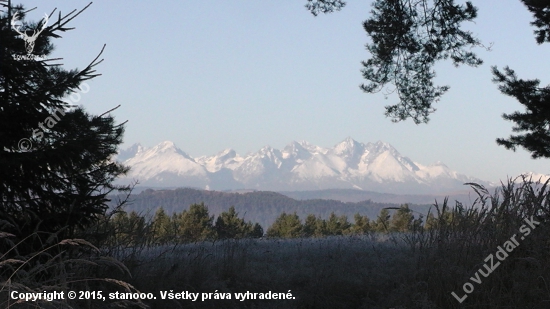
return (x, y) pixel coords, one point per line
(299, 166)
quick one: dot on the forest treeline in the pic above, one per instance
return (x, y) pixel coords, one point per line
(262, 207)
(197, 224)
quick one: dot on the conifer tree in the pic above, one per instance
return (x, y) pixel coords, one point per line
(321, 228)
(402, 220)
(196, 224)
(337, 225)
(310, 226)
(361, 224)
(163, 226)
(56, 165)
(257, 231)
(382, 223)
(138, 229)
(127, 229)
(286, 226)
(533, 123)
(119, 225)
(407, 39)
(314, 227)
(229, 225)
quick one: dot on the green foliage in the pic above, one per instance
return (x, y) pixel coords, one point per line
(408, 37)
(229, 225)
(289, 226)
(130, 229)
(272, 204)
(402, 220)
(541, 13)
(195, 224)
(313, 226)
(361, 224)
(257, 231)
(534, 121)
(338, 225)
(192, 225)
(163, 226)
(431, 222)
(286, 226)
(382, 223)
(56, 173)
(379, 271)
(324, 6)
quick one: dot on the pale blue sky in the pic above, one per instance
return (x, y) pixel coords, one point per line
(210, 75)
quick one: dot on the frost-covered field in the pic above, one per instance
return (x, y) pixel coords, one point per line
(333, 272)
(415, 270)
(382, 271)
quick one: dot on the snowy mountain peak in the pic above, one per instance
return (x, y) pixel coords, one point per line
(380, 147)
(439, 163)
(535, 177)
(350, 151)
(296, 151)
(165, 146)
(269, 152)
(227, 154)
(382, 144)
(223, 159)
(266, 149)
(312, 148)
(299, 166)
(126, 154)
(348, 146)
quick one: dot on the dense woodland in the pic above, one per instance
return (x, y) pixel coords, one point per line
(196, 224)
(397, 259)
(262, 207)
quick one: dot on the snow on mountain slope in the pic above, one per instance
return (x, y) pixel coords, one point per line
(386, 167)
(318, 166)
(164, 164)
(438, 170)
(226, 158)
(299, 166)
(264, 162)
(535, 177)
(350, 151)
(297, 152)
(130, 152)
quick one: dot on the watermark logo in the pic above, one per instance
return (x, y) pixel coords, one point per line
(25, 144)
(501, 255)
(29, 40)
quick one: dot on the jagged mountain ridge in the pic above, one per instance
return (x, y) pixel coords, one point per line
(299, 166)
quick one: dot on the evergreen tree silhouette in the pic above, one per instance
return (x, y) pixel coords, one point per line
(56, 165)
(409, 37)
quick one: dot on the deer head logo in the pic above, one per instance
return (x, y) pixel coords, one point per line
(29, 40)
